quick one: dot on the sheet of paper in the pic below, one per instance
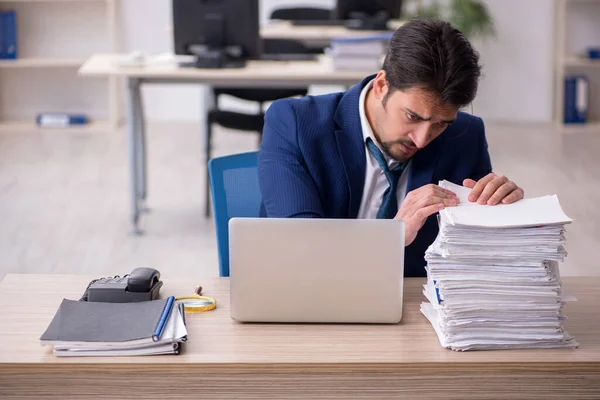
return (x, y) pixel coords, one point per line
(527, 212)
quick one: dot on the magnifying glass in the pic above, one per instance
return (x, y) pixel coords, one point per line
(196, 302)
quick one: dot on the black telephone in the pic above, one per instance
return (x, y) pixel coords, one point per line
(142, 284)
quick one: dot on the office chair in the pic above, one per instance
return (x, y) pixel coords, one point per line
(249, 122)
(302, 14)
(236, 193)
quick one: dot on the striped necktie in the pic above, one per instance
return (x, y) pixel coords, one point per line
(389, 204)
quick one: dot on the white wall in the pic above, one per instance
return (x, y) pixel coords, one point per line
(517, 83)
(518, 63)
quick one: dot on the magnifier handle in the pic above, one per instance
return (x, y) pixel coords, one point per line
(198, 290)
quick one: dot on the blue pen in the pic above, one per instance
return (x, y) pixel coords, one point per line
(163, 319)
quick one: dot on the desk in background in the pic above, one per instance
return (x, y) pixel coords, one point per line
(226, 359)
(318, 34)
(259, 74)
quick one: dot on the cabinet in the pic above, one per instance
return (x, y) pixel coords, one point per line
(577, 28)
(54, 38)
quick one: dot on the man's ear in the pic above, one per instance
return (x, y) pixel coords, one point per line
(380, 85)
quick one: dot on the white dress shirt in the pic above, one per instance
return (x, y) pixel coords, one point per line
(375, 180)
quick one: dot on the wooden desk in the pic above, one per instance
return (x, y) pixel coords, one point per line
(224, 359)
(320, 34)
(257, 74)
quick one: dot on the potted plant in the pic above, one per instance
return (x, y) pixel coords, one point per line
(471, 17)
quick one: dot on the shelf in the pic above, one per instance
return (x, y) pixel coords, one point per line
(591, 127)
(15, 127)
(53, 1)
(44, 28)
(42, 63)
(581, 62)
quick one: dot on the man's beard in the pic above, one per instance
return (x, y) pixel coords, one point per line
(397, 155)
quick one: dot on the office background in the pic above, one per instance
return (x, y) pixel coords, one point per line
(63, 193)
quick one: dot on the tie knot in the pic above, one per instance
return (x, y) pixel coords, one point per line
(392, 175)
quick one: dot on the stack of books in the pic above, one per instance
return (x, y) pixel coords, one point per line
(84, 328)
(493, 275)
(363, 53)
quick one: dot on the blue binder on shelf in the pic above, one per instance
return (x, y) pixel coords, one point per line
(8, 34)
(2, 36)
(576, 104)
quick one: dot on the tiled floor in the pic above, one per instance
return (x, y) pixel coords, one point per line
(64, 204)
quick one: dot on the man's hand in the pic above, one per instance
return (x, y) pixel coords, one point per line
(493, 189)
(420, 204)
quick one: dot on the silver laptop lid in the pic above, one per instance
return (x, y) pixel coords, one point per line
(316, 270)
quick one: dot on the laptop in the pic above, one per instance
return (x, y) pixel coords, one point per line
(316, 270)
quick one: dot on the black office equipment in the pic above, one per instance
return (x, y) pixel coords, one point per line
(289, 57)
(276, 50)
(143, 284)
(219, 33)
(316, 22)
(368, 14)
(301, 13)
(306, 16)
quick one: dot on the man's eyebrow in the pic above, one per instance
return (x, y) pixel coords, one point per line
(449, 121)
(417, 115)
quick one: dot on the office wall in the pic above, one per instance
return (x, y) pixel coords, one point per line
(517, 83)
(518, 63)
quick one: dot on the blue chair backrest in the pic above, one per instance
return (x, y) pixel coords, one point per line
(235, 193)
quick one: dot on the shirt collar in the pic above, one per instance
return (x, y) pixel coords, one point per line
(367, 131)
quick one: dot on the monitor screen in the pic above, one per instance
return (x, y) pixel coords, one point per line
(216, 24)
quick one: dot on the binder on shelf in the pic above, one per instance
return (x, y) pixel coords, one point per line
(8, 37)
(2, 36)
(576, 99)
(61, 120)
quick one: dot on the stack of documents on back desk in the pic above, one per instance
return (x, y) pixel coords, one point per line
(493, 276)
(358, 53)
(82, 328)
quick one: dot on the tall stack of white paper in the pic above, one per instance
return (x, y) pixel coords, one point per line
(493, 276)
(358, 53)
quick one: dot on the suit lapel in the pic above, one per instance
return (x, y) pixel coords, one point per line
(352, 153)
(351, 145)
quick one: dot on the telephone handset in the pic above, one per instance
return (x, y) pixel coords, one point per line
(142, 279)
(142, 284)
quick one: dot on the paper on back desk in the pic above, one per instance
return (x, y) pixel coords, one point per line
(544, 210)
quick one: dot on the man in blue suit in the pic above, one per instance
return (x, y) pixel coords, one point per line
(377, 150)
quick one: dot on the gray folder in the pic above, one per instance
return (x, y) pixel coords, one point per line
(83, 321)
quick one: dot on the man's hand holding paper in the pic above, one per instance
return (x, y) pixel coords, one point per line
(493, 189)
(430, 199)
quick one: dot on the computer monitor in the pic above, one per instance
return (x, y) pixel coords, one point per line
(220, 33)
(368, 14)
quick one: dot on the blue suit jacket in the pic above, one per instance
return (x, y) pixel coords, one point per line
(312, 162)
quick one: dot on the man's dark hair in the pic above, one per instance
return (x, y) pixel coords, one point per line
(434, 56)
